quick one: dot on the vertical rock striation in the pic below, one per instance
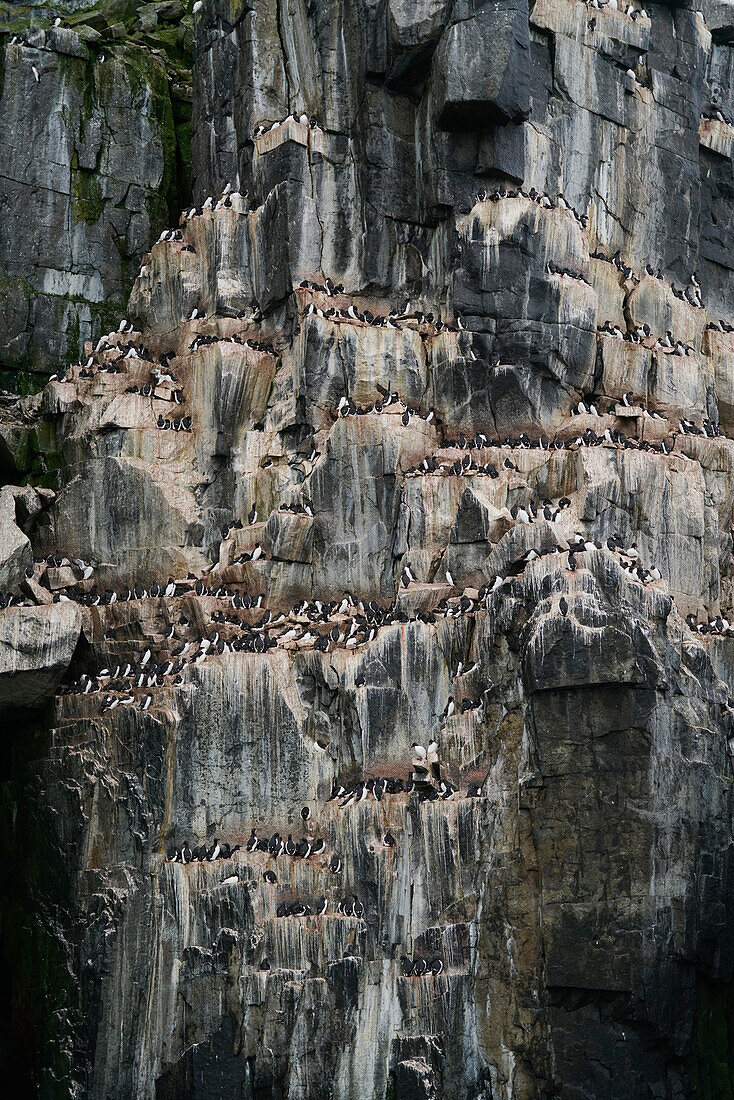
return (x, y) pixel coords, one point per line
(92, 135)
(417, 429)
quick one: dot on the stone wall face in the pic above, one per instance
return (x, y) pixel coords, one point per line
(88, 147)
(416, 430)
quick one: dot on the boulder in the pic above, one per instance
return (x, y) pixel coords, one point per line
(36, 647)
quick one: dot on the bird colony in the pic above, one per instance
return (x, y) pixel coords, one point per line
(380, 601)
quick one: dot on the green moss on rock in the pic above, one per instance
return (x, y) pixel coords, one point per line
(159, 77)
(87, 201)
(22, 381)
(148, 76)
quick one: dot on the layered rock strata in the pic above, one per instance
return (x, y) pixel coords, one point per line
(383, 557)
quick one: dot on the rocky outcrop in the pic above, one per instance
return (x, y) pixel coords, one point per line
(105, 114)
(384, 572)
(36, 647)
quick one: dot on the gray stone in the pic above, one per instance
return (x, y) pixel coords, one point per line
(581, 904)
(77, 220)
(15, 548)
(36, 646)
(719, 16)
(494, 87)
(413, 31)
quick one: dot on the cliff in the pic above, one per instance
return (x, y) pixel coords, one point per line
(366, 641)
(94, 146)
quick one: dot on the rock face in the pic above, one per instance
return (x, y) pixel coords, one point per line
(36, 647)
(101, 116)
(418, 430)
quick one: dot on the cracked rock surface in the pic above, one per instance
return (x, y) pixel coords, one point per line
(367, 608)
(92, 130)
